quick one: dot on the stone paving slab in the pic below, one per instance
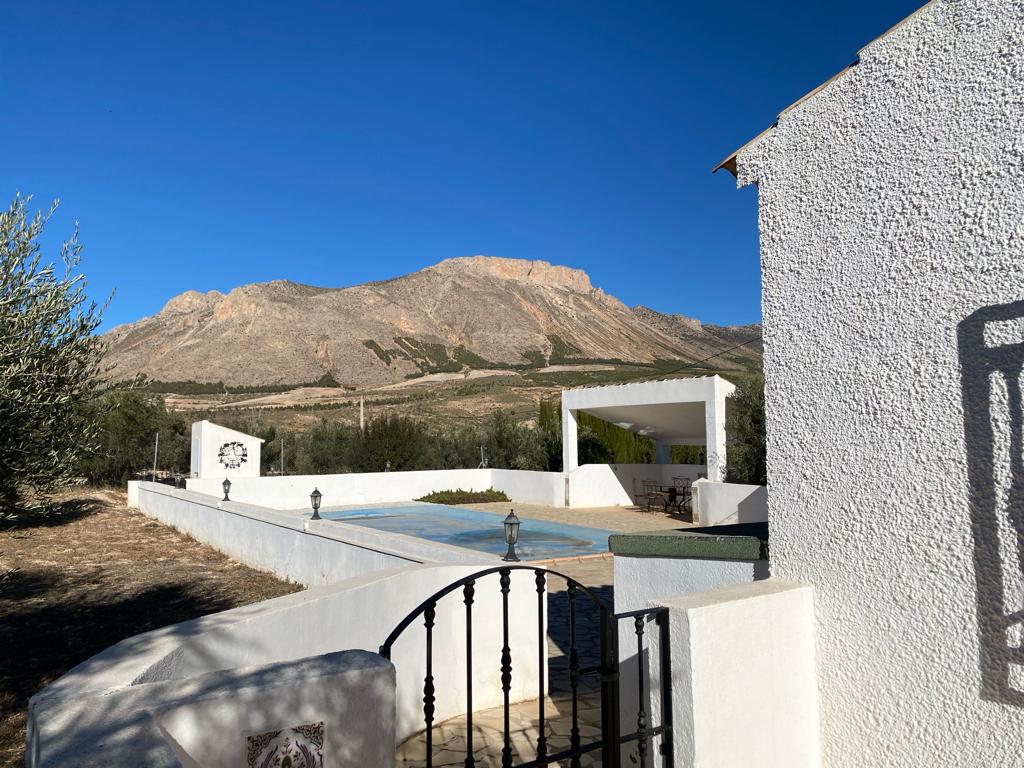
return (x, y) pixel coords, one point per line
(449, 745)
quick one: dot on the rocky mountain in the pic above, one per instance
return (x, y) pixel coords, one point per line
(474, 312)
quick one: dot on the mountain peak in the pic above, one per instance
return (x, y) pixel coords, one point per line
(535, 272)
(191, 301)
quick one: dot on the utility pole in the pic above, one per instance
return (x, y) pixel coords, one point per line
(282, 455)
(156, 450)
(362, 422)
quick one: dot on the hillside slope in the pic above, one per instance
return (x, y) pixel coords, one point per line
(464, 313)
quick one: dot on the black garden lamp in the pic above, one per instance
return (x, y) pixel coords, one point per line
(314, 499)
(227, 487)
(511, 524)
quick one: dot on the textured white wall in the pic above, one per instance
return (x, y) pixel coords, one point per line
(892, 211)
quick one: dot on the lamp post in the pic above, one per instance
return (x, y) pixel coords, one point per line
(511, 524)
(314, 499)
(227, 487)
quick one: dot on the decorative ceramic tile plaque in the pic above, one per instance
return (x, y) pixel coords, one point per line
(300, 746)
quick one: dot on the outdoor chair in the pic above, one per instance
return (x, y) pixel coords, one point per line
(647, 495)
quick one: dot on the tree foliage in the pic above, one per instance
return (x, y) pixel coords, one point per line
(49, 357)
(128, 421)
(389, 442)
(745, 433)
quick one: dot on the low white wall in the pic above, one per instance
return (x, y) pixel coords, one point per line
(104, 703)
(289, 545)
(204, 721)
(592, 485)
(529, 487)
(641, 581)
(617, 485)
(744, 690)
(730, 503)
(292, 491)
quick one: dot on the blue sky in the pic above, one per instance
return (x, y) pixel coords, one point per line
(208, 145)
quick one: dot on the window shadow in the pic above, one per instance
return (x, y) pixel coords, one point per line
(991, 352)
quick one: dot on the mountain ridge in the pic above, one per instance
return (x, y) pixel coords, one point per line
(463, 313)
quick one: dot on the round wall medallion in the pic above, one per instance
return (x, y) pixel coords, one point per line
(232, 455)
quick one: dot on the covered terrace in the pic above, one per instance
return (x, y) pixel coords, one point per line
(671, 412)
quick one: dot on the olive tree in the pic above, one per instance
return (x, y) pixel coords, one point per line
(49, 357)
(745, 430)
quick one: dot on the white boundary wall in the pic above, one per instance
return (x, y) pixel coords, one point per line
(730, 503)
(106, 704)
(617, 485)
(292, 491)
(289, 545)
(592, 485)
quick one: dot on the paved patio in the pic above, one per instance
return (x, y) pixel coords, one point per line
(616, 519)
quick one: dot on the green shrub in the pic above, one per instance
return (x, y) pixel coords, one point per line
(459, 496)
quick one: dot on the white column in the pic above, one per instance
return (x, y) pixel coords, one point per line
(570, 450)
(714, 425)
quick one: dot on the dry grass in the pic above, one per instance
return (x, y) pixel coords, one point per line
(91, 572)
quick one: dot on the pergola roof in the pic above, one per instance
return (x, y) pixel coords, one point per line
(669, 409)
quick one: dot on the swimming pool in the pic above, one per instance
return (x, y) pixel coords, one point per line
(482, 531)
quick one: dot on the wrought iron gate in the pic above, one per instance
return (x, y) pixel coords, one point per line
(606, 671)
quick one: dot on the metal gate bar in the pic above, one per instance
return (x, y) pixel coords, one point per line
(610, 741)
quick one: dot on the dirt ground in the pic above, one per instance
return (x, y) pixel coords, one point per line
(90, 573)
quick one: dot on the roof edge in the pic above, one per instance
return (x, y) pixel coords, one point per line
(730, 162)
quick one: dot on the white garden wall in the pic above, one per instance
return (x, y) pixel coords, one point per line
(729, 503)
(528, 487)
(891, 208)
(618, 485)
(104, 706)
(292, 491)
(203, 722)
(289, 545)
(592, 485)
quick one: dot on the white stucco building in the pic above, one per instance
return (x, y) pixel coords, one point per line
(219, 452)
(891, 211)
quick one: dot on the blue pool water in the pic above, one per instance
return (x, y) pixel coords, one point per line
(482, 531)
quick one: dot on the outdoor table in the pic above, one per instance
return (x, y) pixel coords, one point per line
(671, 495)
